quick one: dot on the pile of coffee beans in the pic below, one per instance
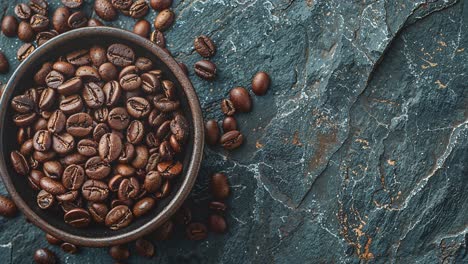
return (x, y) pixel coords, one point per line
(104, 140)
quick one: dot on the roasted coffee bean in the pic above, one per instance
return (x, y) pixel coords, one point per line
(143, 64)
(53, 240)
(205, 69)
(52, 186)
(71, 104)
(73, 177)
(180, 127)
(25, 32)
(141, 157)
(138, 107)
(164, 20)
(117, 202)
(144, 248)
(34, 179)
(165, 105)
(57, 122)
(79, 57)
(260, 83)
(88, 74)
(130, 82)
(240, 98)
(88, 147)
(68, 248)
(150, 84)
(125, 170)
(204, 46)
(232, 140)
(135, 132)
(119, 217)
(19, 163)
(119, 253)
(229, 124)
(47, 99)
(170, 169)
(44, 156)
(9, 26)
(196, 231)
(23, 120)
(78, 218)
(142, 28)
(23, 11)
(39, 22)
(169, 89)
(44, 36)
(24, 133)
(79, 125)
(175, 144)
(77, 19)
(160, 5)
(127, 154)
(45, 200)
(118, 118)
(108, 71)
(217, 207)
(71, 86)
(24, 51)
(105, 10)
(163, 131)
(153, 161)
(153, 181)
(68, 206)
(138, 9)
(95, 191)
(128, 189)
(63, 143)
(114, 182)
(39, 77)
(7, 207)
(40, 124)
(112, 92)
(27, 148)
(72, 3)
(98, 55)
(100, 130)
(98, 211)
(60, 19)
(164, 231)
(65, 68)
(4, 64)
(227, 107)
(44, 256)
(53, 169)
(217, 223)
(22, 104)
(143, 206)
(101, 114)
(33, 163)
(97, 169)
(68, 197)
(93, 95)
(110, 147)
(39, 6)
(93, 22)
(120, 55)
(131, 69)
(157, 37)
(122, 4)
(166, 151)
(54, 79)
(219, 186)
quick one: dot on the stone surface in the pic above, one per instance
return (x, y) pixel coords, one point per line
(357, 152)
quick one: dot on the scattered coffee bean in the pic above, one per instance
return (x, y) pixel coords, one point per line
(164, 20)
(143, 206)
(7, 207)
(93, 22)
(119, 253)
(218, 207)
(138, 9)
(60, 19)
(240, 98)
(39, 6)
(53, 240)
(157, 37)
(229, 124)
(196, 231)
(77, 19)
(44, 256)
(217, 223)
(25, 32)
(205, 69)
(39, 22)
(119, 217)
(44, 36)
(232, 140)
(122, 4)
(219, 186)
(212, 132)
(9, 26)
(260, 83)
(160, 5)
(4, 64)
(72, 3)
(23, 11)
(24, 51)
(68, 248)
(204, 46)
(105, 10)
(142, 28)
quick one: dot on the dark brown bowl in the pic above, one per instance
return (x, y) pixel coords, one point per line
(25, 197)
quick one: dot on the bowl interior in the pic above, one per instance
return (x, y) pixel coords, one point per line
(22, 80)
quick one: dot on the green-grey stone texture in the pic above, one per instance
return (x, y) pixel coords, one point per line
(356, 154)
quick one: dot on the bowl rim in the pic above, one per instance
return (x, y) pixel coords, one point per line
(195, 158)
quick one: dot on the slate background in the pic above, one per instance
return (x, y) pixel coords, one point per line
(356, 154)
